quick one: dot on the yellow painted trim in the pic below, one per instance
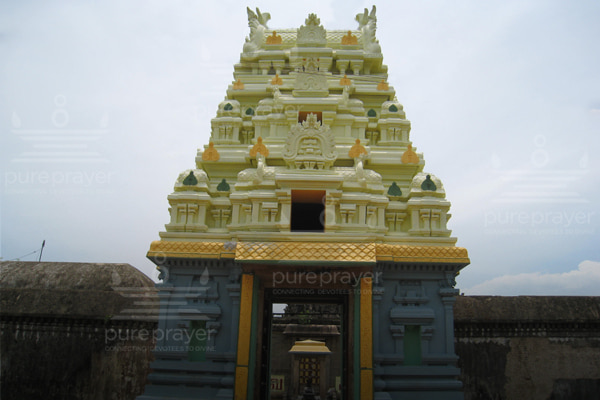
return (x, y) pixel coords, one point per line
(433, 254)
(243, 346)
(305, 251)
(366, 339)
(164, 249)
(366, 384)
(243, 349)
(309, 251)
(241, 383)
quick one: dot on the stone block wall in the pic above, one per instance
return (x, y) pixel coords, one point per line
(68, 359)
(536, 348)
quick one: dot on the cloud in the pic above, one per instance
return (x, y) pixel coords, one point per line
(584, 281)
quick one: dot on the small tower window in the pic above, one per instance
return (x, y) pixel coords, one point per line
(308, 211)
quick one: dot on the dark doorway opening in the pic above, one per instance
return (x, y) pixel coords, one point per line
(290, 321)
(308, 211)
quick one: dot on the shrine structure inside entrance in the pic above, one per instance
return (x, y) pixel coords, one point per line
(307, 252)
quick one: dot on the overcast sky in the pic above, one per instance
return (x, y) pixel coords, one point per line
(104, 103)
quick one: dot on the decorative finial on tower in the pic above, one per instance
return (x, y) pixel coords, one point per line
(357, 150)
(274, 38)
(312, 34)
(211, 154)
(349, 39)
(276, 80)
(238, 85)
(259, 148)
(383, 85)
(312, 20)
(409, 156)
(345, 81)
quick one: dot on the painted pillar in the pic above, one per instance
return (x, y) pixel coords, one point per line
(366, 339)
(242, 367)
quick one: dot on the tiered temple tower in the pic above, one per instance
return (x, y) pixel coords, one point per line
(310, 190)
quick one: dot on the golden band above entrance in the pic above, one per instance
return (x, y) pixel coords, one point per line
(308, 251)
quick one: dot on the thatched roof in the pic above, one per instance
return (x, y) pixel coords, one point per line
(76, 290)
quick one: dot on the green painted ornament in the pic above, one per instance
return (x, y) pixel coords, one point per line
(394, 190)
(223, 186)
(428, 184)
(190, 180)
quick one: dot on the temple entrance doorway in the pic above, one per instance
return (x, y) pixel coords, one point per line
(306, 345)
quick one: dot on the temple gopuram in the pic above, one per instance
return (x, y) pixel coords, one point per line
(307, 254)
